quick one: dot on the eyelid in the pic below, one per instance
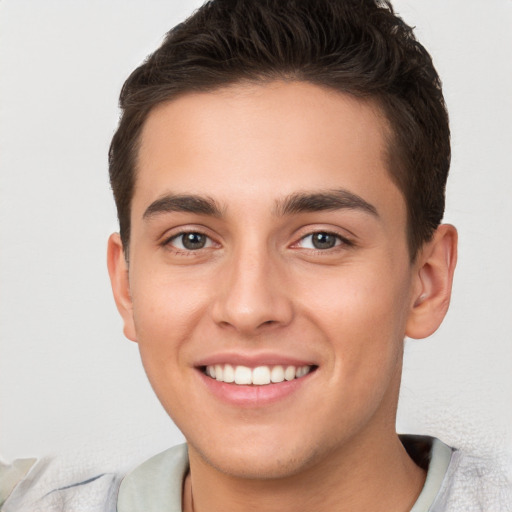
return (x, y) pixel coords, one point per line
(342, 240)
(208, 243)
(175, 233)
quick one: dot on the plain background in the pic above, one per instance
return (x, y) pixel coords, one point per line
(70, 383)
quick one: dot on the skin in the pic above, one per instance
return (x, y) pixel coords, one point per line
(260, 289)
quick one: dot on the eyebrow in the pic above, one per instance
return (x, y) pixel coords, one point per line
(338, 199)
(299, 202)
(183, 203)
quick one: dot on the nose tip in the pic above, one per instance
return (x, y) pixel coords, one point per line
(248, 319)
(252, 299)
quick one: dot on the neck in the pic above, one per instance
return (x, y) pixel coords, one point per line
(368, 475)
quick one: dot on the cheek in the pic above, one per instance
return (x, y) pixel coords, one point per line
(361, 298)
(363, 314)
(166, 312)
(166, 315)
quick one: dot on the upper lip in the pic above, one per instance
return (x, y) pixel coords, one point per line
(254, 360)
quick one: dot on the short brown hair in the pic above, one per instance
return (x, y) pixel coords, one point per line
(359, 47)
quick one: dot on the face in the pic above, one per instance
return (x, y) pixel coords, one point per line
(269, 284)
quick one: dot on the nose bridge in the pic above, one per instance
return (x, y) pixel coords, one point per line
(253, 293)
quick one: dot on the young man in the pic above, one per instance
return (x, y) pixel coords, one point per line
(279, 174)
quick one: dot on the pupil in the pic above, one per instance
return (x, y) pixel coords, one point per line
(324, 240)
(194, 240)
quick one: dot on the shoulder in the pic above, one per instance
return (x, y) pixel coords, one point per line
(473, 483)
(157, 484)
(49, 487)
(459, 481)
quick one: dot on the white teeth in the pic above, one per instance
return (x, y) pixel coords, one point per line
(243, 375)
(289, 373)
(261, 375)
(277, 374)
(301, 371)
(258, 376)
(229, 373)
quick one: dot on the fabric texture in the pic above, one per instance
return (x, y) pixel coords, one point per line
(456, 482)
(76, 491)
(11, 475)
(439, 457)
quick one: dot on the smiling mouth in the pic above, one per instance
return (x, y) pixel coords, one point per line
(258, 376)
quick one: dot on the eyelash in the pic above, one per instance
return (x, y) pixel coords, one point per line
(341, 241)
(184, 251)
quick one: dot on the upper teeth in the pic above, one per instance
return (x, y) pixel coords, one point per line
(259, 376)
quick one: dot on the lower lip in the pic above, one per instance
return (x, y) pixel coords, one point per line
(253, 396)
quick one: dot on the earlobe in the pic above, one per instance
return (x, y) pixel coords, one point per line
(434, 271)
(118, 272)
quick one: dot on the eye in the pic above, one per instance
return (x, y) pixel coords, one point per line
(321, 240)
(190, 241)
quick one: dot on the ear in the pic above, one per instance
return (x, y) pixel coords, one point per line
(119, 279)
(433, 275)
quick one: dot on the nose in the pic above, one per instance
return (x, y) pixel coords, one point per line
(252, 295)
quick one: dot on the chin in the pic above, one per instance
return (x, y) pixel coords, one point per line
(254, 461)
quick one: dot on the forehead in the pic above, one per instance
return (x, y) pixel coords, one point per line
(254, 143)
